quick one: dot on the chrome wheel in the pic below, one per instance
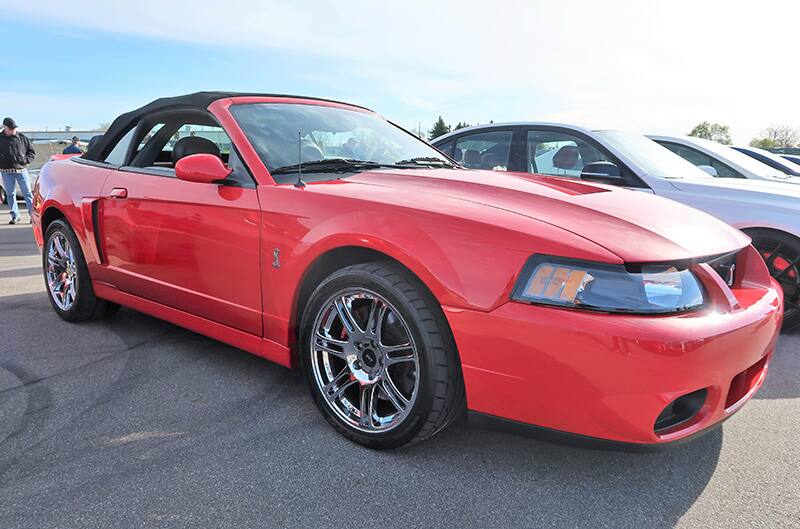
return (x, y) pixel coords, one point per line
(61, 271)
(365, 361)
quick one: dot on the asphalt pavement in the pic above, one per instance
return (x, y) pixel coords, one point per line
(133, 422)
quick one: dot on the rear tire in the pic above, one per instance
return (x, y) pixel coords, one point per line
(399, 366)
(66, 276)
(781, 252)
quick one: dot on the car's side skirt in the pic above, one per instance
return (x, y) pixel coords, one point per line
(248, 342)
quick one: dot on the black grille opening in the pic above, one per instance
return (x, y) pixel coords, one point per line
(680, 410)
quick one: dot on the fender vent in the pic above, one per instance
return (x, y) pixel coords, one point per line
(96, 230)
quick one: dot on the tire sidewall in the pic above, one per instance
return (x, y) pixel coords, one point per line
(416, 418)
(794, 320)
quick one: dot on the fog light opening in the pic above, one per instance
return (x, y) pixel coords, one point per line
(680, 410)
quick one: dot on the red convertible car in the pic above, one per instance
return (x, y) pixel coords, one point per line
(409, 290)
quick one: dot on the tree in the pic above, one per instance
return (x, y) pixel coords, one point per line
(461, 125)
(440, 128)
(778, 136)
(712, 131)
(103, 126)
(762, 143)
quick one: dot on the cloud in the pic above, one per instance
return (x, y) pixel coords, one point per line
(652, 65)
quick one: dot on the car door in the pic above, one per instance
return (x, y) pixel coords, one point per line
(187, 245)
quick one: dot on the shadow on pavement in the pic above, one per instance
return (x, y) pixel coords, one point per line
(783, 377)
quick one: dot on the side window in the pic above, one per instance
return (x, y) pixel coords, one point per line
(215, 134)
(484, 150)
(560, 153)
(239, 173)
(690, 155)
(156, 148)
(698, 158)
(149, 135)
(447, 148)
(117, 154)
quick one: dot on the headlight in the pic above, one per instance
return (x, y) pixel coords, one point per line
(650, 289)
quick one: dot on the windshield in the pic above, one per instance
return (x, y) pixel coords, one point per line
(328, 133)
(654, 159)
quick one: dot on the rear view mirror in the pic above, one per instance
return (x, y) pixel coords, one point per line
(710, 170)
(602, 172)
(203, 168)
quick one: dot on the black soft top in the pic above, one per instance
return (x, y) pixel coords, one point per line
(195, 101)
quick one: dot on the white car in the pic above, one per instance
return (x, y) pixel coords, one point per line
(720, 160)
(768, 211)
(775, 161)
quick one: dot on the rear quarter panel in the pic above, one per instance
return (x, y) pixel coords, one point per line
(70, 188)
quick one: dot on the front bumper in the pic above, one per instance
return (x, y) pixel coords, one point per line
(610, 376)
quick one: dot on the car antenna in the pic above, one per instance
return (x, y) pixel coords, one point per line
(299, 184)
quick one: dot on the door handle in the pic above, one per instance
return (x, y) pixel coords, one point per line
(119, 192)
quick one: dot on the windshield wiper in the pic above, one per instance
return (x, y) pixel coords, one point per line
(331, 165)
(429, 161)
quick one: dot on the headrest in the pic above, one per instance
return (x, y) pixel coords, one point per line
(566, 157)
(472, 158)
(193, 145)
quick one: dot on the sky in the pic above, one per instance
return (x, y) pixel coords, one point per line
(646, 66)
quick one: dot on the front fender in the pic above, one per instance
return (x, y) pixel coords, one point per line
(466, 263)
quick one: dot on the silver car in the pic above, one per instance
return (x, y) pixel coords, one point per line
(768, 211)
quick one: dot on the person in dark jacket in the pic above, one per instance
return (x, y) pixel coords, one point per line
(16, 152)
(73, 147)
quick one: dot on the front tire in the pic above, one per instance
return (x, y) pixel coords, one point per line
(379, 357)
(781, 252)
(66, 276)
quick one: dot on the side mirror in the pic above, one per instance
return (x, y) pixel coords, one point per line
(710, 170)
(602, 172)
(202, 168)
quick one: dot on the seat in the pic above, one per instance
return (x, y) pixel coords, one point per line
(458, 155)
(194, 145)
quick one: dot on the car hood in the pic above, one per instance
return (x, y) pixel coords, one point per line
(637, 227)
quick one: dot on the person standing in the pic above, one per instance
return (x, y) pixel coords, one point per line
(73, 147)
(16, 152)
